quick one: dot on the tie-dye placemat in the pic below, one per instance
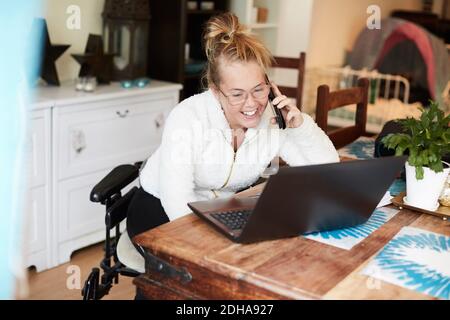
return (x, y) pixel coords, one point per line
(398, 186)
(347, 238)
(417, 260)
(361, 148)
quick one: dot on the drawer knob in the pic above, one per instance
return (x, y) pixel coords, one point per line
(159, 121)
(78, 141)
(123, 114)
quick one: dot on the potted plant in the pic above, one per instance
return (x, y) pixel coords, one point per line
(427, 140)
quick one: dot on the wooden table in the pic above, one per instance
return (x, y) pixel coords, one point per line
(202, 264)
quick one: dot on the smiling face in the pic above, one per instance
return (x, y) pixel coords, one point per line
(237, 80)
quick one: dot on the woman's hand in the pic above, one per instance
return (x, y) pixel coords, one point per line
(291, 113)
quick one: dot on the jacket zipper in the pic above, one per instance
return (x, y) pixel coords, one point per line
(231, 171)
(232, 165)
(228, 178)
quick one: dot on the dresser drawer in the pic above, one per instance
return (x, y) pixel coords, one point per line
(77, 215)
(37, 155)
(99, 138)
(35, 215)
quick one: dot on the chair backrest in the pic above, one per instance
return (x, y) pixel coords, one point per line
(293, 63)
(327, 101)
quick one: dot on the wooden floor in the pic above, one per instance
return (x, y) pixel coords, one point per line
(51, 284)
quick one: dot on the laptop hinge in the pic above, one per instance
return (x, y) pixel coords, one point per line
(153, 263)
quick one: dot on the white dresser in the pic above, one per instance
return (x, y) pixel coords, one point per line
(75, 139)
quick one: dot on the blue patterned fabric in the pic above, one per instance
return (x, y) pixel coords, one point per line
(362, 148)
(349, 237)
(397, 187)
(415, 259)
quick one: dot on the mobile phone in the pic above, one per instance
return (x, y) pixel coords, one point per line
(278, 115)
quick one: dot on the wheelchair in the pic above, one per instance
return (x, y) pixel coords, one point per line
(121, 256)
(108, 192)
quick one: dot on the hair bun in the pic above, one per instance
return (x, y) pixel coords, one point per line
(222, 29)
(228, 37)
(225, 36)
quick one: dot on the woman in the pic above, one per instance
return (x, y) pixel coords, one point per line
(220, 141)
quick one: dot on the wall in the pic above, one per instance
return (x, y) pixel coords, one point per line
(291, 35)
(336, 25)
(438, 6)
(294, 26)
(325, 28)
(91, 22)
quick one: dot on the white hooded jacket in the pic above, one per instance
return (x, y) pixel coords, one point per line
(196, 160)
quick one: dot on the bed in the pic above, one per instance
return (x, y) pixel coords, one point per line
(388, 96)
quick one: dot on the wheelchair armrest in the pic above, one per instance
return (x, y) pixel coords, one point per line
(114, 181)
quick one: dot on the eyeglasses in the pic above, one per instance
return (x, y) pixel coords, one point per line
(240, 96)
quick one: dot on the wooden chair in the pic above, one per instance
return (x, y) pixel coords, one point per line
(293, 63)
(327, 101)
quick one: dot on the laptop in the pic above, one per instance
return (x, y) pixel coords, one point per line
(302, 200)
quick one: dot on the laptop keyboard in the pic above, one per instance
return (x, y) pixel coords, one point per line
(234, 220)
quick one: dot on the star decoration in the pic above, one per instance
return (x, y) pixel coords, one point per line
(94, 62)
(49, 53)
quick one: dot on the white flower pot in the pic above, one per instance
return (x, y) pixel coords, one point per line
(424, 193)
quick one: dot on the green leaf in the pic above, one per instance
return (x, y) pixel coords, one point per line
(399, 151)
(437, 166)
(427, 139)
(419, 172)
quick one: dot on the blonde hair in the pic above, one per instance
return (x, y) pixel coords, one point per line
(225, 37)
